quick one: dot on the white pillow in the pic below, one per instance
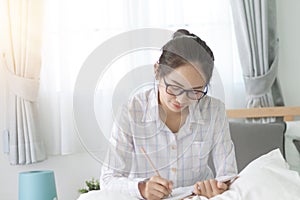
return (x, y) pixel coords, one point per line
(267, 177)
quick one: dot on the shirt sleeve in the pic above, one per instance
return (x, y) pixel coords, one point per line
(117, 166)
(223, 151)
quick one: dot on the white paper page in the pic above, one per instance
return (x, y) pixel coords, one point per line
(181, 192)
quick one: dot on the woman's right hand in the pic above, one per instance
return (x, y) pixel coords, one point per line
(155, 188)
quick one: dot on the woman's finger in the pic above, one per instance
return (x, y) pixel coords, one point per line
(214, 187)
(162, 185)
(196, 189)
(153, 190)
(208, 188)
(201, 187)
(222, 185)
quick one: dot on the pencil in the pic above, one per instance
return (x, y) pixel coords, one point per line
(149, 160)
(151, 163)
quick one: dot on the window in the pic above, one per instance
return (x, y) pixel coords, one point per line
(73, 29)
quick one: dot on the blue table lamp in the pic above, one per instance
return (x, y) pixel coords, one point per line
(37, 185)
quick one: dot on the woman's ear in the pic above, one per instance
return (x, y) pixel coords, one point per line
(156, 70)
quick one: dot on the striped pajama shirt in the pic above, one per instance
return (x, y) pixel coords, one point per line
(181, 157)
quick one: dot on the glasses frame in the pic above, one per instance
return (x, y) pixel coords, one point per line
(185, 91)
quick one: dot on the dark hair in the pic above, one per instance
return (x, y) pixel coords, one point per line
(186, 48)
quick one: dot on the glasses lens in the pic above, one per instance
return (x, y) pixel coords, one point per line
(195, 95)
(191, 94)
(174, 90)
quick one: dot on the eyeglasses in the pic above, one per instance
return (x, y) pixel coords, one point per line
(191, 94)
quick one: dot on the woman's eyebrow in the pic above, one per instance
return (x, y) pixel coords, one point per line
(177, 83)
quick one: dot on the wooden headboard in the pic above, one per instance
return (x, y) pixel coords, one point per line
(288, 113)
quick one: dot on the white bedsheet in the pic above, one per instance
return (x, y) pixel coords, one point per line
(267, 177)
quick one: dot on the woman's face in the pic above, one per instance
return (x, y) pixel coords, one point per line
(186, 77)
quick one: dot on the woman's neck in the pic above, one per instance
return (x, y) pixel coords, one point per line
(173, 120)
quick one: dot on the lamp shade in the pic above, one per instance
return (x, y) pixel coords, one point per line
(37, 185)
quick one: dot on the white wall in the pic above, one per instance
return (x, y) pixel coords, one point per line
(289, 57)
(70, 174)
(71, 171)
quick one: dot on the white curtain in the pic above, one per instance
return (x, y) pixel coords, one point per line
(256, 29)
(21, 36)
(75, 28)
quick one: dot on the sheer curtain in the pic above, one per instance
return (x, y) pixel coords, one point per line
(20, 47)
(75, 28)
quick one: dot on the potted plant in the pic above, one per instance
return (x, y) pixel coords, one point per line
(90, 185)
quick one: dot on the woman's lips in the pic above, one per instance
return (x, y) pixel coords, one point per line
(177, 106)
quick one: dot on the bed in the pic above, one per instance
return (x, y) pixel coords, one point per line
(253, 140)
(260, 151)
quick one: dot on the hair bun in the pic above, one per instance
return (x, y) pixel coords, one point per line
(180, 32)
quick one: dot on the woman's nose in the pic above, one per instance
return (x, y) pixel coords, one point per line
(182, 98)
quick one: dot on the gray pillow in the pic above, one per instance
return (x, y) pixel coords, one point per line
(252, 140)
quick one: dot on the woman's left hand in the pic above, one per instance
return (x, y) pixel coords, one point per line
(209, 188)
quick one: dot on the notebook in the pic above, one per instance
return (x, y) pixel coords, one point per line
(181, 193)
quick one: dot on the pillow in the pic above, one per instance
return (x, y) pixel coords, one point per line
(252, 140)
(267, 177)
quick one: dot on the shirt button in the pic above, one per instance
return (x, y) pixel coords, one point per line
(174, 147)
(173, 169)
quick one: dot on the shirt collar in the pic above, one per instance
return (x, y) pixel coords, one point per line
(151, 109)
(196, 112)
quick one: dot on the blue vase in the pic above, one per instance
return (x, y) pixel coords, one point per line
(37, 185)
